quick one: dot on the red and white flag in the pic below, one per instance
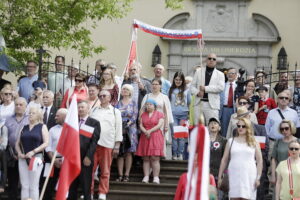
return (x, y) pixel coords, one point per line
(198, 168)
(34, 163)
(261, 140)
(69, 147)
(181, 131)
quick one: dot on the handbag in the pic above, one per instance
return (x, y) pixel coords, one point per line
(291, 180)
(225, 180)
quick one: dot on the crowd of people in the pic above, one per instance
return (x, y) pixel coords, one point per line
(253, 128)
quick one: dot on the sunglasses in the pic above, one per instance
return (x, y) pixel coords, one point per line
(7, 94)
(243, 103)
(102, 96)
(284, 129)
(241, 126)
(285, 98)
(77, 80)
(293, 149)
(214, 59)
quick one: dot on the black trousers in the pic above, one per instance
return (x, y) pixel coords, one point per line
(13, 181)
(84, 180)
(50, 189)
(3, 168)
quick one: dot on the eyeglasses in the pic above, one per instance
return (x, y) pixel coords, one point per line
(214, 59)
(285, 98)
(243, 103)
(231, 73)
(132, 69)
(7, 94)
(102, 96)
(293, 149)
(284, 128)
(241, 126)
(77, 80)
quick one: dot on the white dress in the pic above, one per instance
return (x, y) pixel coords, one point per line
(242, 171)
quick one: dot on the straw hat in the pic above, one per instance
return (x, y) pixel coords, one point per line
(242, 112)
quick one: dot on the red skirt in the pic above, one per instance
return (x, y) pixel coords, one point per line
(153, 146)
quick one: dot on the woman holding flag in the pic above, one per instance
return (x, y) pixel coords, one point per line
(31, 143)
(180, 99)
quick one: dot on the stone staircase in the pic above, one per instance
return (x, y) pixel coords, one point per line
(136, 190)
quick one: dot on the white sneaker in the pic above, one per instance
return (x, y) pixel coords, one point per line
(180, 157)
(145, 179)
(156, 180)
(174, 158)
(102, 197)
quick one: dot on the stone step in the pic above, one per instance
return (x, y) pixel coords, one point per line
(174, 163)
(134, 186)
(139, 195)
(163, 170)
(173, 179)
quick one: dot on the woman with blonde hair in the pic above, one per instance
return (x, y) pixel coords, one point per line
(107, 82)
(281, 147)
(32, 141)
(7, 108)
(245, 163)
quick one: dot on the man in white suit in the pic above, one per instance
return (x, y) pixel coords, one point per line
(208, 83)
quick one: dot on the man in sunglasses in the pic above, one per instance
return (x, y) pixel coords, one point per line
(109, 143)
(208, 83)
(276, 115)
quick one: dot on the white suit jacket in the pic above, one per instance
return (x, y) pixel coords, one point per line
(213, 89)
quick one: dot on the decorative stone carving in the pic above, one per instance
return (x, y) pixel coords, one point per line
(228, 31)
(220, 18)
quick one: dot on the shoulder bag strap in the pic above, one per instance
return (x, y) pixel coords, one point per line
(290, 176)
(280, 113)
(230, 151)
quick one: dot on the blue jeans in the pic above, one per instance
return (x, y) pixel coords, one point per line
(178, 143)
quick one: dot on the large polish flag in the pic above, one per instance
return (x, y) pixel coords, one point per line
(198, 172)
(69, 147)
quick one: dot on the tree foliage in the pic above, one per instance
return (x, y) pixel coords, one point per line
(29, 24)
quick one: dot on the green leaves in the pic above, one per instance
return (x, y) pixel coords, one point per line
(28, 24)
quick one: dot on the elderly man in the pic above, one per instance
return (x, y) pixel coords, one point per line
(227, 100)
(109, 142)
(207, 85)
(89, 135)
(25, 87)
(49, 109)
(141, 86)
(54, 135)
(14, 125)
(70, 78)
(158, 73)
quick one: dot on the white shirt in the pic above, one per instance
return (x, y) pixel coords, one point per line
(111, 125)
(227, 86)
(54, 135)
(6, 111)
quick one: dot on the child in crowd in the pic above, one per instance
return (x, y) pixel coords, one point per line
(265, 104)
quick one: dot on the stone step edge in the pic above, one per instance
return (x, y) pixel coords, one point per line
(144, 184)
(140, 192)
(114, 174)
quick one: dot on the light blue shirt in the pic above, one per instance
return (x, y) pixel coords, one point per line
(25, 86)
(165, 86)
(180, 106)
(274, 119)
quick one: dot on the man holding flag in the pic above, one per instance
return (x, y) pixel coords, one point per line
(89, 131)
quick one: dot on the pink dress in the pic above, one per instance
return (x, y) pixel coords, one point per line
(153, 146)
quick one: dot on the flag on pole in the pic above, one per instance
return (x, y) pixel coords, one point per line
(69, 147)
(198, 172)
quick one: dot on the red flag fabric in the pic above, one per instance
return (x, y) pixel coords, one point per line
(69, 147)
(132, 53)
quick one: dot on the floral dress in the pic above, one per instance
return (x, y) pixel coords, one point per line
(129, 112)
